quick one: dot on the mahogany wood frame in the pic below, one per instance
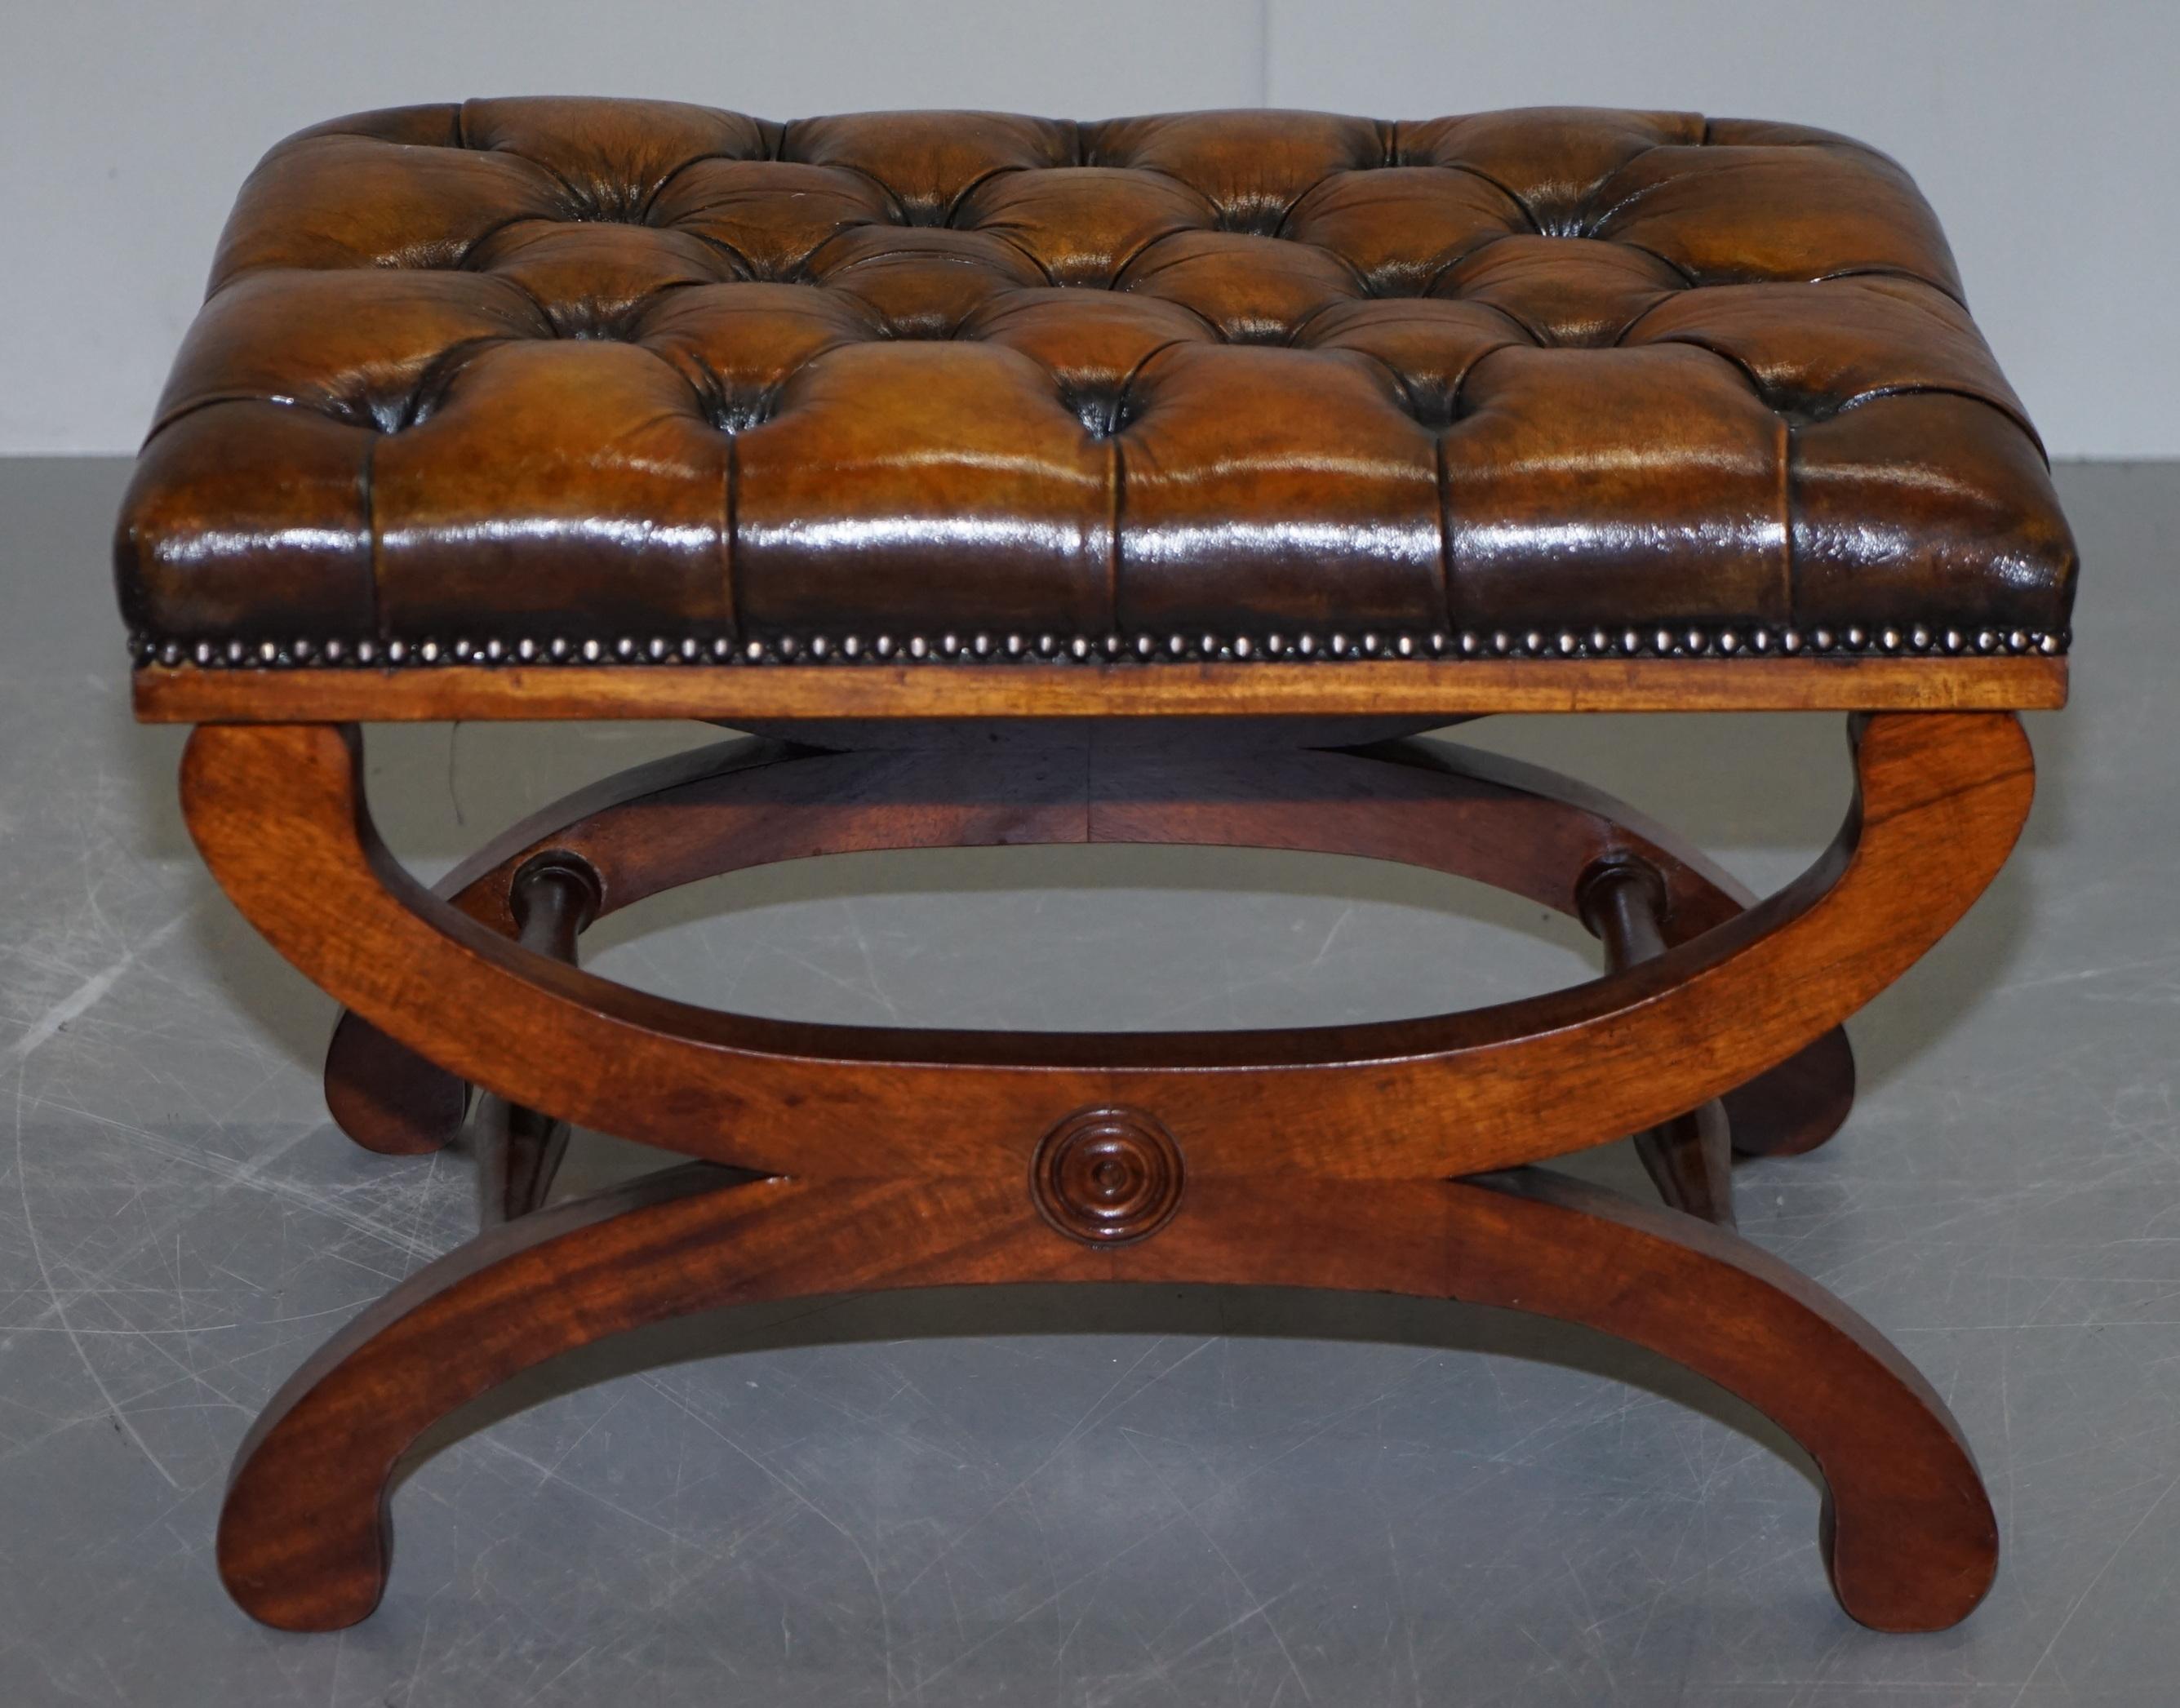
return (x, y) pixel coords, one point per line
(1429, 689)
(1394, 1156)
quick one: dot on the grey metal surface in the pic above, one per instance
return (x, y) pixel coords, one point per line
(1031, 1496)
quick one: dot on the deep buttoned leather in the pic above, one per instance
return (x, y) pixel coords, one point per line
(627, 371)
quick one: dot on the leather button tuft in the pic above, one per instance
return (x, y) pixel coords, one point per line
(1284, 385)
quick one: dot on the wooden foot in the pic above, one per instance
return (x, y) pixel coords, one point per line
(1907, 1534)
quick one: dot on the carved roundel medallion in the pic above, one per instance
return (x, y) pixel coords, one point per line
(1107, 1176)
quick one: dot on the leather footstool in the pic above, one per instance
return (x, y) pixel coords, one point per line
(1153, 480)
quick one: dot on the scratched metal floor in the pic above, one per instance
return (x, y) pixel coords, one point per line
(1081, 1497)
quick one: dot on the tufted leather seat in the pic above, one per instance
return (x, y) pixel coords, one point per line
(619, 379)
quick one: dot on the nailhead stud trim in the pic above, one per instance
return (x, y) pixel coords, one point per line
(838, 650)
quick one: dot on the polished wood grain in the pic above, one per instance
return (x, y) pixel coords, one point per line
(278, 813)
(738, 805)
(1907, 1533)
(742, 696)
(866, 1158)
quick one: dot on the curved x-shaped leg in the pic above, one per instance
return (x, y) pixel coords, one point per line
(1312, 1157)
(1907, 1534)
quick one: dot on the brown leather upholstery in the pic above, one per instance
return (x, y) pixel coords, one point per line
(631, 379)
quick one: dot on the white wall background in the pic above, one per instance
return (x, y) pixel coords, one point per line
(2044, 130)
